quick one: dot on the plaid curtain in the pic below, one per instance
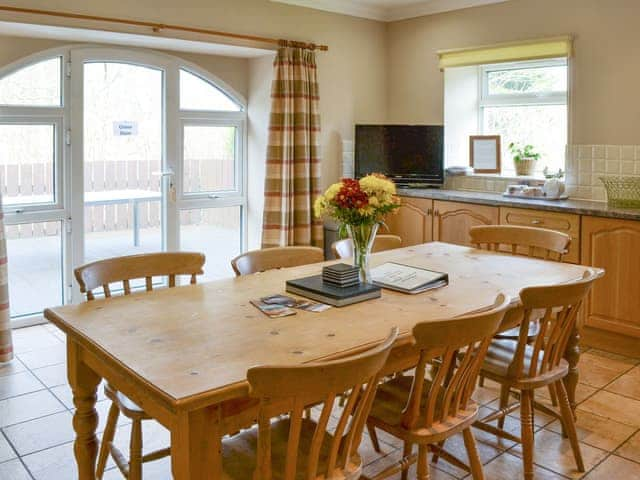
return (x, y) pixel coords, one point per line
(6, 345)
(293, 155)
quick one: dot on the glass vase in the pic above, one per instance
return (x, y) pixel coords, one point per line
(363, 237)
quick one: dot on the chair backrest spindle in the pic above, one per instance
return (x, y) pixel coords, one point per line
(528, 241)
(303, 385)
(124, 269)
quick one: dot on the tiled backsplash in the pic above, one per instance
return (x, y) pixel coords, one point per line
(585, 164)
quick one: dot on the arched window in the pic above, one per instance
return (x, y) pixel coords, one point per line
(36, 85)
(144, 129)
(198, 94)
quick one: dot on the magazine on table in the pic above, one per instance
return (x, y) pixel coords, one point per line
(407, 279)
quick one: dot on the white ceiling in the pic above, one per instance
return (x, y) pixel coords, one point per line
(389, 10)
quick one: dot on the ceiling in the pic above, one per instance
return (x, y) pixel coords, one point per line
(389, 10)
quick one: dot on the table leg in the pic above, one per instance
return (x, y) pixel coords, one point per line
(84, 383)
(196, 446)
(136, 223)
(572, 355)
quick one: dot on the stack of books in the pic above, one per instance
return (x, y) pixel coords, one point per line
(341, 275)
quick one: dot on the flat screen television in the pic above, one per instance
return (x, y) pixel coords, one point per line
(411, 155)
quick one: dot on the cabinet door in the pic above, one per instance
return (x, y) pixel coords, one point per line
(614, 302)
(452, 220)
(562, 222)
(412, 221)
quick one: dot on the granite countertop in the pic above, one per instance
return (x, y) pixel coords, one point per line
(579, 207)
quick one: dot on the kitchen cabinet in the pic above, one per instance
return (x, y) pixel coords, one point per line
(614, 301)
(452, 220)
(568, 223)
(413, 221)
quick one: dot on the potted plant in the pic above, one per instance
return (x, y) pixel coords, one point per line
(524, 158)
(359, 206)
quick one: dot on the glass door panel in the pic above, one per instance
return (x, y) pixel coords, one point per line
(216, 232)
(123, 155)
(209, 159)
(35, 270)
(27, 163)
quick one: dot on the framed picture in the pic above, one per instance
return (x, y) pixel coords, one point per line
(484, 153)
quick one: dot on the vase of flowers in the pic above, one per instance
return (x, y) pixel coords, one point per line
(359, 206)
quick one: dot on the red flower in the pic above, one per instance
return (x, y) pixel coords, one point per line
(351, 195)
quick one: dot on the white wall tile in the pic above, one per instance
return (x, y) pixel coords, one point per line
(613, 166)
(628, 152)
(599, 151)
(613, 152)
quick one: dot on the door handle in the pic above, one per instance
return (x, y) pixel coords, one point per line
(164, 173)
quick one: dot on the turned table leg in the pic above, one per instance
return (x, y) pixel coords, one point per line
(84, 383)
(572, 355)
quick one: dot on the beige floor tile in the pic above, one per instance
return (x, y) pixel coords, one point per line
(631, 448)
(6, 451)
(53, 463)
(597, 369)
(627, 385)
(613, 406)
(33, 338)
(385, 462)
(509, 467)
(28, 407)
(597, 431)
(44, 357)
(488, 393)
(583, 391)
(554, 453)
(615, 468)
(13, 470)
(41, 433)
(63, 393)
(19, 384)
(53, 375)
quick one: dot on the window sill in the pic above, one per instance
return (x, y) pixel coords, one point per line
(498, 176)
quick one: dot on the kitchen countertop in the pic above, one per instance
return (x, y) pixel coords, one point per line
(579, 207)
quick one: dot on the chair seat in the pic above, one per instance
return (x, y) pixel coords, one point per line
(391, 400)
(239, 453)
(500, 356)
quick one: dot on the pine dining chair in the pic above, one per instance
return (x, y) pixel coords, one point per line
(277, 257)
(344, 248)
(102, 274)
(294, 447)
(525, 366)
(418, 411)
(528, 241)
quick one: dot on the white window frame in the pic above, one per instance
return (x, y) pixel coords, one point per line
(516, 100)
(62, 209)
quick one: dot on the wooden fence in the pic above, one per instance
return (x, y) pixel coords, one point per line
(29, 179)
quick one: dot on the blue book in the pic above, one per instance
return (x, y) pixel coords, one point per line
(315, 289)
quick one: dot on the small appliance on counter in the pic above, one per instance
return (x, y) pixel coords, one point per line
(459, 171)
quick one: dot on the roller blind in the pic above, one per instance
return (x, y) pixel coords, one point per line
(555, 47)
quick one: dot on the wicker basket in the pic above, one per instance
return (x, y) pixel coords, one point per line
(622, 191)
(526, 166)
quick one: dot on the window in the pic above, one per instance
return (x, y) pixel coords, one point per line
(526, 103)
(198, 94)
(37, 85)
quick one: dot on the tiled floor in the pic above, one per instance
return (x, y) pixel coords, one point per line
(36, 434)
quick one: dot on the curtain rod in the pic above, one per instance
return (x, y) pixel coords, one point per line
(157, 27)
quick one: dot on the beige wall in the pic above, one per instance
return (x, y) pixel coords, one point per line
(606, 66)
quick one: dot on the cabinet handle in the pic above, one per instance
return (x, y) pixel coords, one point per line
(537, 222)
(429, 211)
(436, 213)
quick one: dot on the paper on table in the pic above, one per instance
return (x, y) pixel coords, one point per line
(403, 276)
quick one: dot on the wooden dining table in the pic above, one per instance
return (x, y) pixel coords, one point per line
(182, 353)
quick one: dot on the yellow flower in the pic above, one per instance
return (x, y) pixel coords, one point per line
(332, 191)
(319, 206)
(373, 201)
(377, 183)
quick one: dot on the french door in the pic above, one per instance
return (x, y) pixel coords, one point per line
(136, 152)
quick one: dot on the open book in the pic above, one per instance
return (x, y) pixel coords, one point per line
(407, 279)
